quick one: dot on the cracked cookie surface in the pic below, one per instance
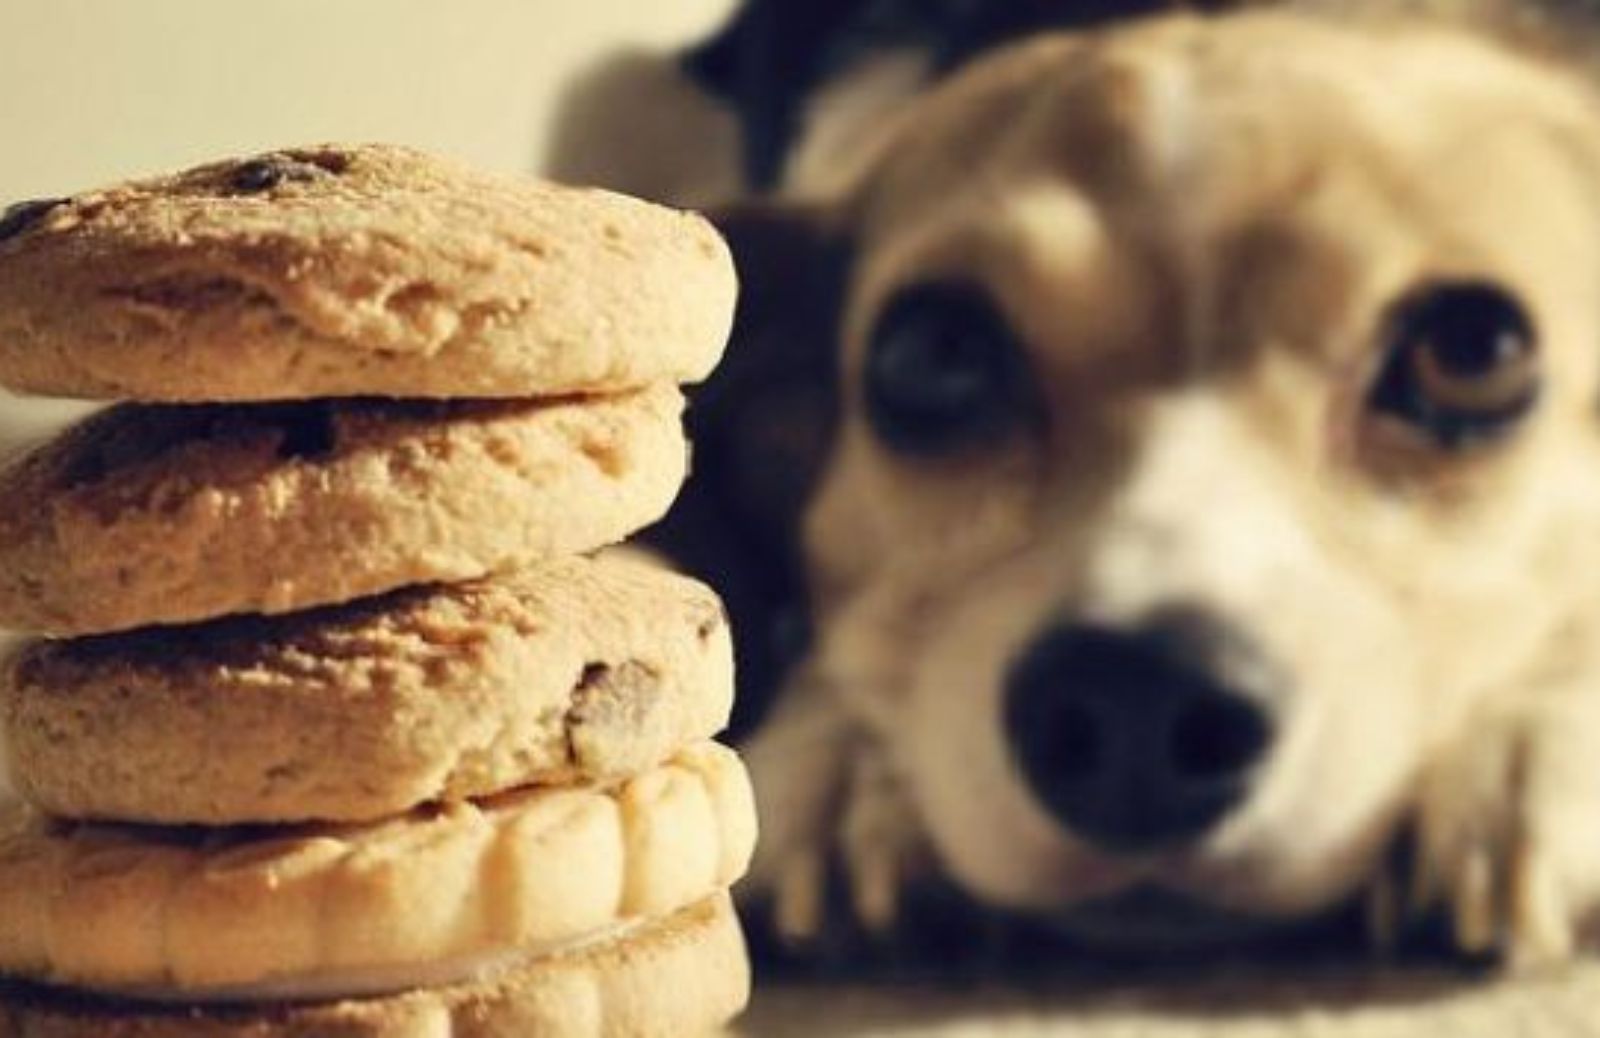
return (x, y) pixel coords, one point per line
(341, 270)
(165, 515)
(572, 670)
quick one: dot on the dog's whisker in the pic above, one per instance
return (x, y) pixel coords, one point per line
(799, 904)
(1540, 932)
(1473, 903)
(875, 894)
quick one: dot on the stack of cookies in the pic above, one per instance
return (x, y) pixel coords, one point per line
(334, 728)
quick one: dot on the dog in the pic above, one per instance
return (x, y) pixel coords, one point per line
(1157, 468)
(788, 93)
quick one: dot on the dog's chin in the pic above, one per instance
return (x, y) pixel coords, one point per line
(1182, 905)
(1142, 928)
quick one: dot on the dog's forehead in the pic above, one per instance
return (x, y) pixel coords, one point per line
(1331, 163)
(1220, 116)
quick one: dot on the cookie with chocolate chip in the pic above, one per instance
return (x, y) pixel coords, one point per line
(354, 271)
(168, 514)
(572, 671)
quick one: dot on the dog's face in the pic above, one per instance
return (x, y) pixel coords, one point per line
(1216, 449)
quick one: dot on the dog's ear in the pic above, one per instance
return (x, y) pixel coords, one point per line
(761, 427)
(763, 63)
(967, 29)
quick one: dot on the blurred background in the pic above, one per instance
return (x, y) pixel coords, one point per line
(92, 92)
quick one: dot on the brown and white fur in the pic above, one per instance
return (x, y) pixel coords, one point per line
(1198, 233)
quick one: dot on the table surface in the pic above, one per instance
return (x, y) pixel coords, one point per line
(1343, 1004)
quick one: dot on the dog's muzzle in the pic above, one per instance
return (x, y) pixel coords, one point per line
(1142, 738)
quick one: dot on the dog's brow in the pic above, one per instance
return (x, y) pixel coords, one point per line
(1055, 230)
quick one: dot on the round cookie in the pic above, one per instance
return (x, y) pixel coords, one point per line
(350, 271)
(572, 670)
(352, 911)
(678, 977)
(164, 515)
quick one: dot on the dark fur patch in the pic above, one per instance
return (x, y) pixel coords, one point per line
(762, 427)
(774, 54)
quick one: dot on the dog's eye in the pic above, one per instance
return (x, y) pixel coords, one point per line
(1462, 363)
(943, 371)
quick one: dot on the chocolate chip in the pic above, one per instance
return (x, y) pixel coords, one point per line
(264, 174)
(257, 175)
(327, 159)
(593, 674)
(18, 218)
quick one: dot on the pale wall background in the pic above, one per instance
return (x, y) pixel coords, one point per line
(93, 91)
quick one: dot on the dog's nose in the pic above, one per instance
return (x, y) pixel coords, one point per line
(1144, 738)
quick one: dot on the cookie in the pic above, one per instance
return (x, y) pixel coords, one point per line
(573, 670)
(166, 515)
(353, 271)
(678, 977)
(364, 910)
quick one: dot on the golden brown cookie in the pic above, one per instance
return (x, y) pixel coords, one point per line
(165, 515)
(355, 270)
(683, 976)
(573, 670)
(203, 915)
